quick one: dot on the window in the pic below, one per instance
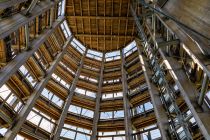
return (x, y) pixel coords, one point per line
(107, 96)
(34, 118)
(82, 137)
(112, 95)
(155, 134)
(57, 101)
(26, 74)
(91, 94)
(118, 114)
(65, 29)
(41, 120)
(105, 115)
(143, 108)
(88, 113)
(75, 109)
(88, 79)
(77, 45)
(81, 111)
(112, 81)
(52, 97)
(85, 92)
(11, 99)
(118, 94)
(67, 134)
(148, 106)
(130, 48)
(106, 138)
(3, 131)
(67, 68)
(18, 137)
(91, 68)
(110, 56)
(113, 135)
(40, 59)
(61, 8)
(77, 133)
(94, 54)
(112, 114)
(4, 92)
(47, 125)
(119, 138)
(59, 80)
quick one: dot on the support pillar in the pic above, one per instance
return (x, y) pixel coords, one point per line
(127, 113)
(20, 119)
(98, 99)
(60, 122)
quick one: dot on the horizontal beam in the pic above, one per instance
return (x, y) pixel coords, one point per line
(21, 58)
(11, 24)
(100, 35)
(101, 17)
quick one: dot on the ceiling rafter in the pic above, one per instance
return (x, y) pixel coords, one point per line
(112, 21)
(90, 19)
(102, 35)
(126, 26)
(102, 17)
(104, 24)
(89, 23)
(97, 21)
(74, 15)
(81, 13)
(118, 41)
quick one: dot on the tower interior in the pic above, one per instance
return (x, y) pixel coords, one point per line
(104, 69)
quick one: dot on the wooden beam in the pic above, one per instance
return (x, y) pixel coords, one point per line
(101, 17)
(101, 35)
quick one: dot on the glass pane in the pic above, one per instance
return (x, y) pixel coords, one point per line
(46, 125)
(67, 134)
(34, 118)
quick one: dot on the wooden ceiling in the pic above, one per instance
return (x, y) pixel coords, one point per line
(103, 25)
